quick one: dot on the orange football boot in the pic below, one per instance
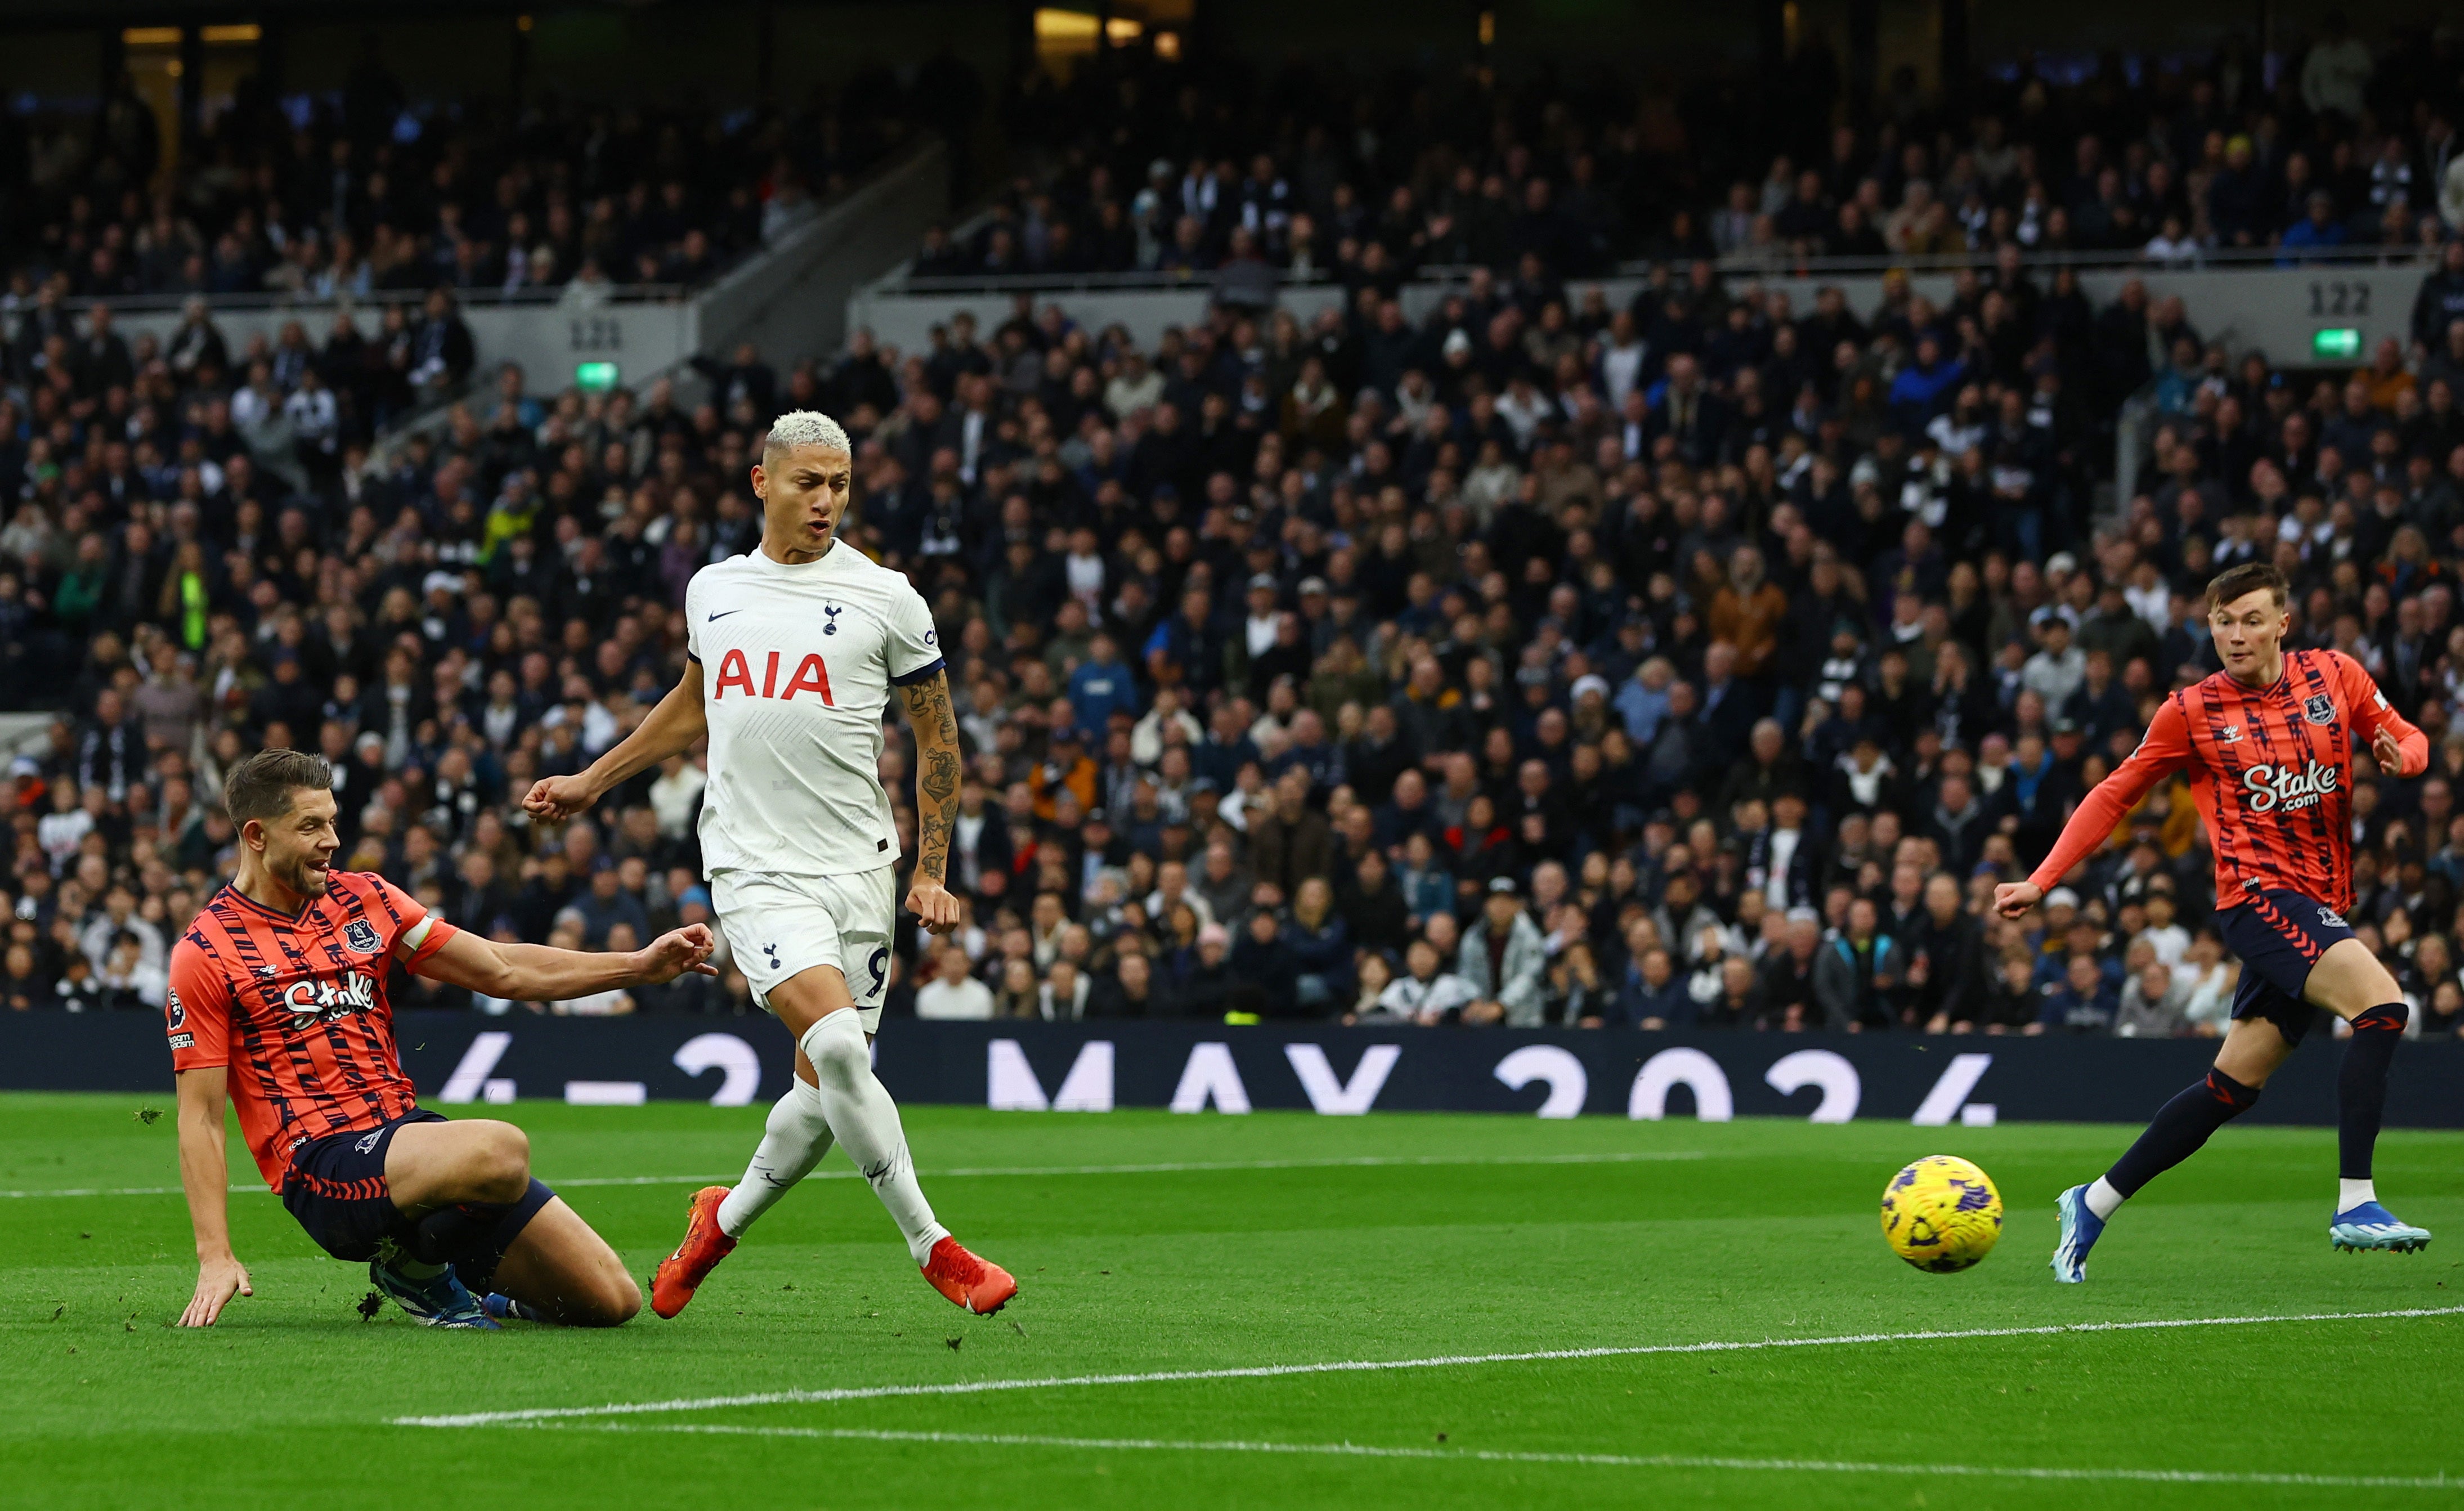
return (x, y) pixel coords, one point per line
(980, 1285)
(681, 1273)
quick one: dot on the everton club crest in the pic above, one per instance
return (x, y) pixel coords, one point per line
(2320, 709)
(360, 936)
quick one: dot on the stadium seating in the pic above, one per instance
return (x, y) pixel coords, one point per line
(1527, 657)
(1315, 173)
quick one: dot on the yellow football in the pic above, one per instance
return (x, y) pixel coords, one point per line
(1941, 1214)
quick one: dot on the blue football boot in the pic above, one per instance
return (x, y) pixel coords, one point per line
(2371, 1226)
(439, 1301)
(504, 1308)
(2081, 1229)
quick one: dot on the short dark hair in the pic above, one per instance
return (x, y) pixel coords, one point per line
(261, 786)
(2249, 578)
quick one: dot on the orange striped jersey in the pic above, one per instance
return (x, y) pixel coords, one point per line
(2271, 773)
(296, 1007)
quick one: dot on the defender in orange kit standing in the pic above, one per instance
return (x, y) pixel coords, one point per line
(2269, 744)
(278, 1003)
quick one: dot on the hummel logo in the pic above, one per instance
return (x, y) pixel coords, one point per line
(2229, 735)
(722, 614)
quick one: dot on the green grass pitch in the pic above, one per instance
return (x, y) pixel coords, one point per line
(1310, 1241)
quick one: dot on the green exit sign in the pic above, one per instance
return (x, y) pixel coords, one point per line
(600, 377)
(2336, 344)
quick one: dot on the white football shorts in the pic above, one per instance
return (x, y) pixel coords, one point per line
(779, 926)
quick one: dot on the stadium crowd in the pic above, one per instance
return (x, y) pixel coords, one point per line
(371, 191)
(1497, 666)
(1697, 660)
(403, 211)
(1309, 173)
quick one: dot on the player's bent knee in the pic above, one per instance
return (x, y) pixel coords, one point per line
(792, 1116)
(2249, 1059)
(602, 1296)
(837, 1050)
(504, 1166)
(614, 1300)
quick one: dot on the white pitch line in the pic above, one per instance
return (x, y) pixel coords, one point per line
(1266, 1371)
(126, 1191)
(1364, 1162)
(1832, 1466)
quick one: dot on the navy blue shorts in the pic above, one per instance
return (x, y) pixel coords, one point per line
(336, 1190)
(2278, 936)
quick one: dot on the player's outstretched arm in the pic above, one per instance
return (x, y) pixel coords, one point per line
(671, 729)
(2397, 743)
(938, 764)
(2164, 751)
(527, 972)
(207, 1179)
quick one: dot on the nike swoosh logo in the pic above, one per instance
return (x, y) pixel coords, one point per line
(715, 618)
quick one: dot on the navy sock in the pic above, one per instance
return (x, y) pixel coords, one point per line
(2180, 1127)
(457, 1235)
(473, 1235)
(2361, 1086)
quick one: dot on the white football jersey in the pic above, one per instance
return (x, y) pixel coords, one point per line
(797, 664)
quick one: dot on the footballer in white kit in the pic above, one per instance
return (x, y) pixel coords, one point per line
(797, 664)
(795, 650)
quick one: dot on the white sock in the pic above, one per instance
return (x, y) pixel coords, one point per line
(864, 1118)
(2103, 1200)
(2351, 1194)
(792, 1143)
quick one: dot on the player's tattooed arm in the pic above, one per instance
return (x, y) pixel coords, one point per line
(938, 764)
